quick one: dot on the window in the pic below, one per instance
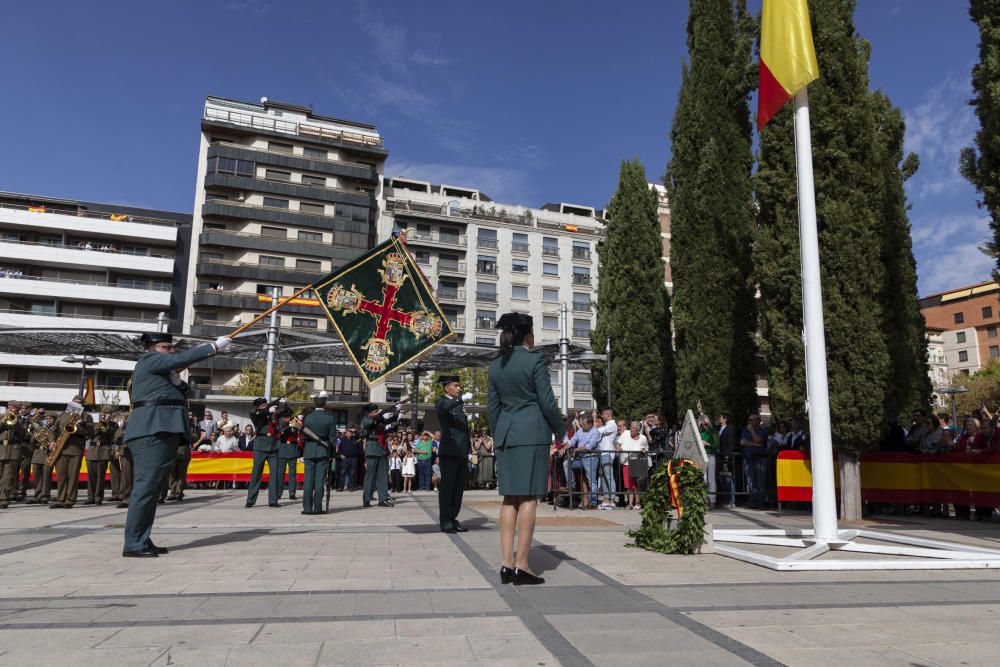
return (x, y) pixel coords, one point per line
(959, 318)
(550, 295)
(485, 264)
(581, 328)
(484, 340)
(344, 384)
(581, 301)
(581, 382)
(230, 166)
(550, 246)
(350, 239)
(275, 175)
(311, 209)
(304, 323)
(960, 337)
(520, 243)
(987, 312)
(268, 289)
(486, 292)
(991, 332)
(135, 250)
(519, 266)
(45, 308)
(422, 257)
(273, 232)
(550, 269)
(486, 319)
(271, 260)
(450, 235)
(309, 179)
(319, 153)
(554, 376)
(206, 256)
(273, 202)
(308, 264)
(583, 404)
(550, 322)
(963, 355)
(487, 238)
(519, 292)
(448, 289)
(994, 351)
(581, 275)
(449, 263)
(311, 237)
(581, 250)
(279, 147)
(358, 213)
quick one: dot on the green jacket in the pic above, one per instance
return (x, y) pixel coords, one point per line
(520, 402)
(371, 428)
(321, 423)
(454, 427)
(150, 382)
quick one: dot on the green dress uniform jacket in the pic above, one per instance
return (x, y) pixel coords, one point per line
(99, 455)
(11, 438)
(453, 458)
(154, 432)
(68, 464)
(376, 458)
(317, 456)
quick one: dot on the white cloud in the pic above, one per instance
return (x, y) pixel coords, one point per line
(947, 251)
(502, 184)
(388, 39)
(424, 58)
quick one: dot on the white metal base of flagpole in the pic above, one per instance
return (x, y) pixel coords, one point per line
(914, 553)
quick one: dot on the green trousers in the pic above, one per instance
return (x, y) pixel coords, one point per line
(376, 476)
(313, 487)
(262, 454)
(292, 467)
(152, 458)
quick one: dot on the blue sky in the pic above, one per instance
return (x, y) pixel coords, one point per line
(532, 102)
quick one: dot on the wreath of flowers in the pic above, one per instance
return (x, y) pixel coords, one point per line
(681, 485)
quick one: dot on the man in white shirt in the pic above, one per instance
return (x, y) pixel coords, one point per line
(227, 442)
(606, 481)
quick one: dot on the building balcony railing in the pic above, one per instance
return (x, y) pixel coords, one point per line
(94, 215)
(457, 323)
(486, 243)
(486, 323)
(486, 268)
(581, 333)
(581, 306)
(487, 297)
(582, 387)
(450, 267)
(449, 294)
(481, 212)
(155, 287)
(258, 149)
(581, 278)
(550, 252)
(415, 237)
(251, 120)
(255, 265)
(89, 246)
(520, 248)
(581, 253)
(58, 318)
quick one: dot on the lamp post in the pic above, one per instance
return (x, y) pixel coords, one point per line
(84, 360)
(954, 409)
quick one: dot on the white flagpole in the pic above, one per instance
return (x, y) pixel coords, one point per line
(820, 441)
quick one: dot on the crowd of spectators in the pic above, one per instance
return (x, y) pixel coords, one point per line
(10, 273)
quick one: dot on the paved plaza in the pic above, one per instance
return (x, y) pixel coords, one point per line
(267, 586)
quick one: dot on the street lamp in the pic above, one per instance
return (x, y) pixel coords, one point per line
(954, 409)
(84, 360)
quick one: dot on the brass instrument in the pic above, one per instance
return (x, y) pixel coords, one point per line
(41, 435)
(10, 419)
(68, 430)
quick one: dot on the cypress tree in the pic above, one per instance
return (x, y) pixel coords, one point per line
(981, 164)
(905, 333)
(709, 182)
(849, 208)
(632, 301)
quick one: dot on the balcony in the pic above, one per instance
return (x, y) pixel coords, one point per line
(449, 294)
(289, 189)
(581, 333)
(284, 245)
(457, 323)
(581, 278)
(451, 267)
(490, 244)
(486, 268)
(29, 320)
(486, 323)
(275, 158)
(251, 301)
(75, 257)
(96, 223)
(266, 272)
(433, 239)
(227, 208)
(582, 388)
(487, 297)
(520, 248)
(582, 306)
(549, 251)
(255, 121)
(82, 290)
(581, 254)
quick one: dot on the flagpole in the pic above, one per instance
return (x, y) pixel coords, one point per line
(820, 440)
(277, 304)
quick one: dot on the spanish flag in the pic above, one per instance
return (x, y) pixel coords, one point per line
(787, 56)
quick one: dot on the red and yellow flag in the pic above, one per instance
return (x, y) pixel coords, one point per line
(787, 55)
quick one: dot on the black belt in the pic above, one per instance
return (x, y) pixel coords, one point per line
(160, 402)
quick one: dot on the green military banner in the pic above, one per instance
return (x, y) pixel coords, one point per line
(383, 309)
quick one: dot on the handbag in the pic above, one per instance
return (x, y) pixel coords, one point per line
(638, 465)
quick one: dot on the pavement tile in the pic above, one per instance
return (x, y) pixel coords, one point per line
(270, 655)
(382, 651)
(83, 657)
(184, 635)
(17, 638)
(324, 631)
(883, 656)
(496, 626)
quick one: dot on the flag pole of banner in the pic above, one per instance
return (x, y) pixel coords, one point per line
(382, 308)
(787, 65)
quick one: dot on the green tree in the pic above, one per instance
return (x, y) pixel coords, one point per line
(849, 207)
(984, 390)
(904, 327)
(712, 217)
(472, 379)
(632, 302)
(981, 164)
(251, 382)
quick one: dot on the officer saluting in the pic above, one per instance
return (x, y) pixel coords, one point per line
(157, 426)
(453, 452)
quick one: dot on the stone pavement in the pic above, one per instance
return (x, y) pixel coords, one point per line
(267, 586)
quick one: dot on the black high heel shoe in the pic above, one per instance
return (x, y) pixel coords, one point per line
(506, 574)
(522, 578)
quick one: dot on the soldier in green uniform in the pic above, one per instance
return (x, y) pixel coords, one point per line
(320, 431)
(80, 426)
(266, 419)
(155, 429)
(453, 452)
(123, 457)
(99, 455)
(524, 416)
(289, 439)
(40, 470)
(12, 435)
(375, 423)
(175, 481)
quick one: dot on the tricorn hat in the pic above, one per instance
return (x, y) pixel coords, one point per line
(520, 322)
(448, 379)
(153, 337)
(259, 401)
(371, 406)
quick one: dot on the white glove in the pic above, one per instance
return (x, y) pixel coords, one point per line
(398, 406)
(467, 396)
(273, 409)
(222, 342)
(282, 401)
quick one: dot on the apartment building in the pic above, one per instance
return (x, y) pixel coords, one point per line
(968, 319)
(284, 196)
(663, 213)
(85, 265)
(485, 258)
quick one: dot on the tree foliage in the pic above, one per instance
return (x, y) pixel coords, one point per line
(981, 164)
(984, 389)
(471, 379)
(632, 302)
(709, 182)
(251, 382)
(850, 207)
